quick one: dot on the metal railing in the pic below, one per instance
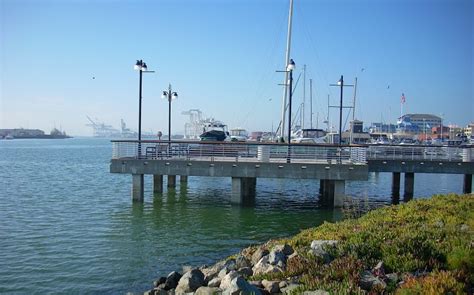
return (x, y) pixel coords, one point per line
(237, 152)
(420, 152)
(280, 152)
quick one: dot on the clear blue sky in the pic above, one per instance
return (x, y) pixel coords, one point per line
(221, 57)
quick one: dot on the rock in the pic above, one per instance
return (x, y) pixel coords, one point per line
(215, 282)
(288, 289)
(318, 244)
(277, 258)
(282, 284)
(229, 265)
(368, 281)
(316, 292)
(159, 291)
(261, 266)
(286, 249)
(240, 286)
(271, 286)
(208, 291)
(190, 281)
(212, 271)
(158, 282)
(156, 291)
(257, 255)
(186, 268)
(257, 284)
(241, 262)
(319, 249)
(273, 268)
(245, 271)
(172, 280)
(227, 279)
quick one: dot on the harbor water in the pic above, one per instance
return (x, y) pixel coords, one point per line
(68, 226)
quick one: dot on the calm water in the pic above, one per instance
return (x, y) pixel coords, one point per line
(68, 226)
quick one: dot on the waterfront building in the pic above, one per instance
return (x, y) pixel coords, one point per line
(382, 128)
(468, 130)
(417, 123)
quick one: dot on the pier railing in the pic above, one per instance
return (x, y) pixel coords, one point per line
(238, 152)
(421, 152)
(280, 152)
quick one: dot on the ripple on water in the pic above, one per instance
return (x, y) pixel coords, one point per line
(67, 225)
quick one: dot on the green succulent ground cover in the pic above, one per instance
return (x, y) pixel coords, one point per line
(428, 243)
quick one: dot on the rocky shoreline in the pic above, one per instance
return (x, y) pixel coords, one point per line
(414, 246)
(231, 276)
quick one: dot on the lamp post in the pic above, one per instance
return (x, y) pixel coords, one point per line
(341, 84)
(170, 96)
(289, 68)
(141, 67)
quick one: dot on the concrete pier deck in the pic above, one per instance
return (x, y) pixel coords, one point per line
(246, 162)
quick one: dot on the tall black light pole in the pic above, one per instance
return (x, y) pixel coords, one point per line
(290, 67)
(341, 85)
(169, 95)
(142, 68)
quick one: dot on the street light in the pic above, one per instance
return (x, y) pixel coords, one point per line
(340, 84)
(289, 68)
(170, 96)
(142, 68)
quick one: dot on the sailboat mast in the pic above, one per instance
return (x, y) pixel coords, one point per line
(304, 97)
(287, 61)
(328, 116)
(311, 103)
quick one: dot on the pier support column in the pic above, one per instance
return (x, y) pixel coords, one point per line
(339, 193)
(171, 180)
(332, 192)
(396, 184)
(183, 179)
(467, 187)
(409, 185)
(157, 183)
(327, 192)
(243, 190)
(137, 187)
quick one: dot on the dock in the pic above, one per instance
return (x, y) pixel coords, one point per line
(245, 162)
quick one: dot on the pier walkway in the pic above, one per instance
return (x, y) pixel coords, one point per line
(245, 162)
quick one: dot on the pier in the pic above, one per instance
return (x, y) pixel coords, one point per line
(244, 163)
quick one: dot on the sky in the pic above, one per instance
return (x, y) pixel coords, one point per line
(63, 60)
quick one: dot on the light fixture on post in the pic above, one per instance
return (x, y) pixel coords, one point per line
(142, 68)
(341, 85)
(169, 95)
(289, 68)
